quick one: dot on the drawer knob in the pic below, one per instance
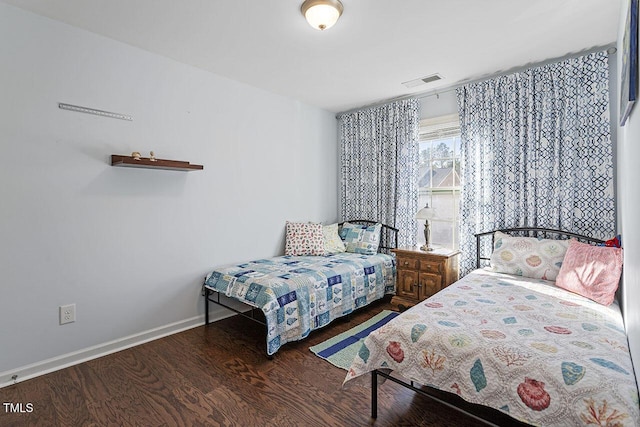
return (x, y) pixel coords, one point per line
(406, 263)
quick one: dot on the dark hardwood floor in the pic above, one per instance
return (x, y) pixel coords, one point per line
(218, 375)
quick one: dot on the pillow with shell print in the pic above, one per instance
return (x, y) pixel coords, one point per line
(528, 256)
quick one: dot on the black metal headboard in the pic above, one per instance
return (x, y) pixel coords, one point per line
(388, 234)
(540, 233)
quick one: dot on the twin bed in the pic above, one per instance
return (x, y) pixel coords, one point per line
(298, 294)
(520, 345)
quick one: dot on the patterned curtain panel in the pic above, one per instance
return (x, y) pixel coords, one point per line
(379, 166)
(536, 151)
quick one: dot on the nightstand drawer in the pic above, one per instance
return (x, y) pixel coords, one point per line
(406, 262)
(434, 267)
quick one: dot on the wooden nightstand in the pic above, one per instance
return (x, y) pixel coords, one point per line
(421, 274)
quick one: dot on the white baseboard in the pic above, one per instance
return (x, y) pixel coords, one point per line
(33, 370)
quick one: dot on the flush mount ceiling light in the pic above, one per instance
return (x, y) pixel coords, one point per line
(321, 14)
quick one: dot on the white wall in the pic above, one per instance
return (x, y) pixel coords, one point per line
(442, 104)
(628, 175)
(130, 247)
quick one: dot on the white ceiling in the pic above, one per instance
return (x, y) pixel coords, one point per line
(375, 46)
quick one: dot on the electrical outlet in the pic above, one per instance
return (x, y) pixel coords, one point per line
(67, 313)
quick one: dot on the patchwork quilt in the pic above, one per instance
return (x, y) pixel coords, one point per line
(536, 352)
(301, 293)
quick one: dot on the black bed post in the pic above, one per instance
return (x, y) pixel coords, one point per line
(206, 306)
(374, 394)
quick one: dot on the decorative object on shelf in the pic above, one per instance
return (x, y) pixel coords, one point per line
(93, 111)
(146, 162)
(426, 214)
(152, 157)
(321, 14)
(136, 155)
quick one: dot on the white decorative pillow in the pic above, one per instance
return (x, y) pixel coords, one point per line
(304, 238)
(528, 256)
(332, 241)
(361, 239)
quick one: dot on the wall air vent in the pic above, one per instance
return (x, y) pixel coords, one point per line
(423, 80)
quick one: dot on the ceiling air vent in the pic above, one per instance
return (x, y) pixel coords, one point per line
(423, 80)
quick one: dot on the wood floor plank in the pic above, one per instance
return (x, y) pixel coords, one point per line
(197, 408)
(232, 406)
(36, 392)
(69, 402)
(218, 375)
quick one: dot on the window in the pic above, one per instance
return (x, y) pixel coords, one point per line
(439, 178)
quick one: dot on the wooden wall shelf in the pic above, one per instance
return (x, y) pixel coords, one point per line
(145, 162)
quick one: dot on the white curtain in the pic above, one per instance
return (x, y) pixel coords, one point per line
(379, 166)
(536, 151)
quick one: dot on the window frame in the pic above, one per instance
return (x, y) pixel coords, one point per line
(433, 130)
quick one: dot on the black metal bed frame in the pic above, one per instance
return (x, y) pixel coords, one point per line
(542, 233)
(388, 241)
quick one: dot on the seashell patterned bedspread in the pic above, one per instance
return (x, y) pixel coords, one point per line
(536, 352)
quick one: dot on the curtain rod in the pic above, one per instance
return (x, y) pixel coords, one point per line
(610, 48)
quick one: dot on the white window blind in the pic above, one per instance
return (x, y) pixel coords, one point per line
(439, 127)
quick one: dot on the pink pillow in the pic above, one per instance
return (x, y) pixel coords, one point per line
(591, 271)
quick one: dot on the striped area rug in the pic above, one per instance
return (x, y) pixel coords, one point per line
(342, 349)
